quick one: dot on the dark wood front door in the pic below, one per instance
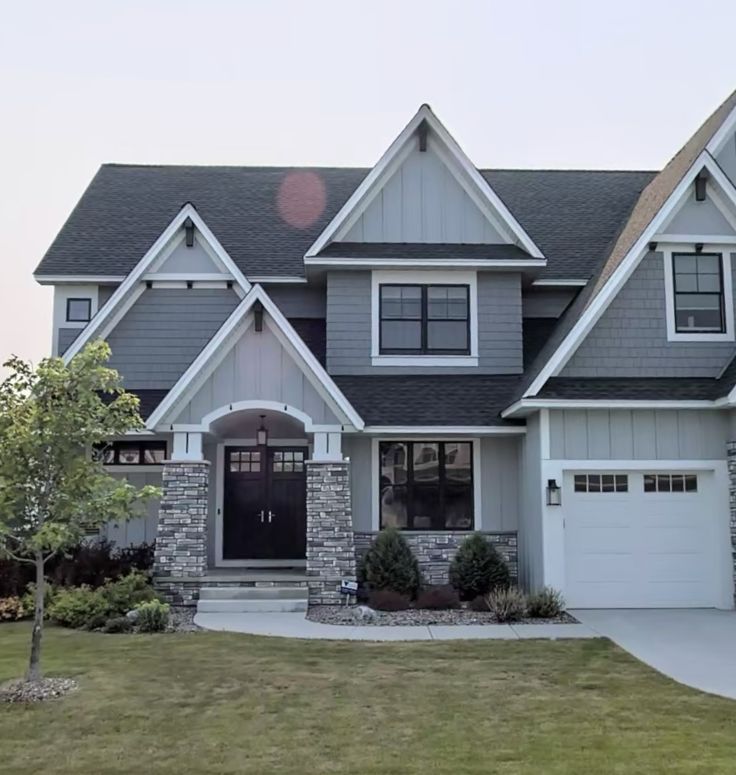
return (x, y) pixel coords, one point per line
(264, 509)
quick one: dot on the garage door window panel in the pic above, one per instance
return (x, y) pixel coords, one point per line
(601, 483)
(670, 483)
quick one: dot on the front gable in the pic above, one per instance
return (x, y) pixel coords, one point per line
(424, 189)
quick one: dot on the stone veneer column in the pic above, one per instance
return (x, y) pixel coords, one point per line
(330, 548)
(181, 540)
(731, 459)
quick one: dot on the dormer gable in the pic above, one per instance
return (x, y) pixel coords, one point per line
(424, 191)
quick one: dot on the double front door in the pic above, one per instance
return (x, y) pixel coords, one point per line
(264, 507)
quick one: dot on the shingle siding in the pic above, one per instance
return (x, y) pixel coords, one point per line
(630, 339)
(164, 331)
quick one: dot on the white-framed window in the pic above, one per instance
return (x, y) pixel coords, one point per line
(605, 483)
(698, 293)
(424, 318)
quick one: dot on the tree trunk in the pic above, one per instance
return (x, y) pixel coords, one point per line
(34, 664)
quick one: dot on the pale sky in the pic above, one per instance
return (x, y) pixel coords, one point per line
(521, 83)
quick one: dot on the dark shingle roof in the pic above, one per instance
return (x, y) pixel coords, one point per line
(571, 215)
(429, 400)
(632, 389)
(423, 250)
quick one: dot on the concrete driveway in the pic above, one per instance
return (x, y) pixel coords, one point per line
(696, 647)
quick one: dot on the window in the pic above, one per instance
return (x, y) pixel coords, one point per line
(698, 293)
(133, 453)
(670, 483)
(288, 462)
(601, 483)
(248, 462)
(78, 310)
(424, 319)
(426, 485)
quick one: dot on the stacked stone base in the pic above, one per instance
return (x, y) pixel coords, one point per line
(435, 551)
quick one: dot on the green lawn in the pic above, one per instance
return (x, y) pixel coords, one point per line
(205, 702)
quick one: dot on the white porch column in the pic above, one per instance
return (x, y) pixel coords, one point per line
(327, 447)
(187, 446)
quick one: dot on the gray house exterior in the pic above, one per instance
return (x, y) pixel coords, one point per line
(546, 357)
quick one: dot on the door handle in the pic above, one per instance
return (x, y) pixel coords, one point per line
(270, 515)
(262, 516)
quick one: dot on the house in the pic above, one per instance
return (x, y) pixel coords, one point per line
(543, 356)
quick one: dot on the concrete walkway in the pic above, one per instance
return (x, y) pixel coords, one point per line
(695, 646)
(294, 625)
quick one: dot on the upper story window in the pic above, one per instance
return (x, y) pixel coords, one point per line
(698, 293)
(424, 319)
(78, 310)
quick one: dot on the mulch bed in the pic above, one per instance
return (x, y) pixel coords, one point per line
(36, 691)
(362, 615)
(181, 619)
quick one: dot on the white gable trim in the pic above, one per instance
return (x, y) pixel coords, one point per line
(206, 362)
(131, 288)
(460, 165)
(720, 138)
(625, 269)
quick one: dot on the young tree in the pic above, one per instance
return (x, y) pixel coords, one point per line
(53, 488)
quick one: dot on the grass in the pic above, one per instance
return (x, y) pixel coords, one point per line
(208, 702)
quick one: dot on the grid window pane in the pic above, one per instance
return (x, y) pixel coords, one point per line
(401, 335)
(601, 483)
(447, 335)
(670, 483)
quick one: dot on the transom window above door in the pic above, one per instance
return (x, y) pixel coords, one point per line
(424, 319)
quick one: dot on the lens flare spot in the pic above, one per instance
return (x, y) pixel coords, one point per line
(301, 199)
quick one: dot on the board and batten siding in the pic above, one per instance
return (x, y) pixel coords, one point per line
(500, 349)
(630, 338)
(141, 530)
(423, 202)
(531, 537)
(164, 331)
(257, 367)
(639, 434)
(499, 485)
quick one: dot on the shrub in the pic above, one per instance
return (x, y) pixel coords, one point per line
(80, 607)
(479, 604)
(12, 609)
(96, 561)
(507, 605)
(14, 577)
(390, 564)
(29, 598)
(127, 593)
(388, 600)
(477, 568)
(118, 624)
(438, 597)
(545, 604)
(153, 616)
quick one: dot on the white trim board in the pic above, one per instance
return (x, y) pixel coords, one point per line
(447, 430)
(78, 279)
(448, 264)
(459, 164)
(526, 406)
(132, 287)
(592, 313)
(240, 319)
(477, 474)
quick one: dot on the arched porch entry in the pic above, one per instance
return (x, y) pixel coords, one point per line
(258, 454)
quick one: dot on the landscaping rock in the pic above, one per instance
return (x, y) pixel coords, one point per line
(330, 614)
(36, 691)
(133, 616)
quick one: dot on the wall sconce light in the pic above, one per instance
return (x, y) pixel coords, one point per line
(262, 433)
(554, 493)
(699, 247)
(258, 316)
(189, 230)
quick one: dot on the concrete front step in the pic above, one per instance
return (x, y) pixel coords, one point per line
(254, 593)
(275, 605)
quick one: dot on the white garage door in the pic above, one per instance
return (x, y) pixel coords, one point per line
(640, 539)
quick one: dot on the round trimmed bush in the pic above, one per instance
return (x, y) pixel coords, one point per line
(390, 564)
(477, 568)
